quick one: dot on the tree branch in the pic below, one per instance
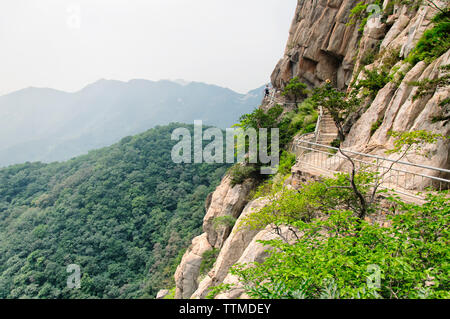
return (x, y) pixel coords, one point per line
(362, 200)
(435, 5)
(380, 179)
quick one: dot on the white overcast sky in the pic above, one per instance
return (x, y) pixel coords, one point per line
(231, 43)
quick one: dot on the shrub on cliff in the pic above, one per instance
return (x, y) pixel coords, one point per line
(344, 257)
(373, 81)
(239, 173)
(434, 42)
(295, 90)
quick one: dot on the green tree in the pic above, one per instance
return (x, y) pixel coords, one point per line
(336, 103)
(336, 257)
(295, 90)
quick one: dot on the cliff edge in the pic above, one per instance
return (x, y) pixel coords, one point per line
(326, 44)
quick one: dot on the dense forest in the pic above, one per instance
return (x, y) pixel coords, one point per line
(124, 214)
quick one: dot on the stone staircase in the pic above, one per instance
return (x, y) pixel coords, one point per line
(327, 131)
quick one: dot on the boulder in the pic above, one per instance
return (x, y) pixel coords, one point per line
(162, 294)
(232, 250)
(227, 200)
(188, 270)
(255, 252)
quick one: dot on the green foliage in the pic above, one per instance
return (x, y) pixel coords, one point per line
(171, 294)
(405, 141)
(208, 259)
(287, 160)
(288, 206)
(360, 13)
(123, 213)
(429, 86)
(260, 119)
(224, 221)
(375, 126)
(337, 254)
(434, 42)
(300, 121)
(445, 103)
(271, 119)
(373, 81)
(214, 291)
(336, 257)
(445, 115)
(270, 186)
(336, 143)
(336, 103)
(390, 58)
(413, 5)
(303, 120)
(240, 172)
(369, 57)
(295, 90)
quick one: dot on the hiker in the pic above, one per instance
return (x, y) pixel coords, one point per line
(267, 91)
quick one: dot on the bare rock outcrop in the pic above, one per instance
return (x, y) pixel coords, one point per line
(162, 293)
(255, 252)
(322, 45)
(187, 271)
(227, 200)
(232, 250)
(398, 111)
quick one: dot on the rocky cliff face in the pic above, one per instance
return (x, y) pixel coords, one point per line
(394, 105)
(324, 45)
(227, 200)
(321, 44)
(233, 249)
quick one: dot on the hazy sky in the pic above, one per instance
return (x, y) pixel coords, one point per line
(68, 44)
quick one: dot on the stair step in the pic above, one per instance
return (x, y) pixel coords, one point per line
(325, 141)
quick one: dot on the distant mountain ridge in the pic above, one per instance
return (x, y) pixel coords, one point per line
(41, 124)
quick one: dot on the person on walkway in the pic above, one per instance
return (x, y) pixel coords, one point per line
(266, 91)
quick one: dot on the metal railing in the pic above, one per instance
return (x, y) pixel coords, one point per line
(318, 123)
(273, 99)
(404, 177)
(308, 137)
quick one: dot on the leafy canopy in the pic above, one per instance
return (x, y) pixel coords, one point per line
(336, 257)
(124, 213)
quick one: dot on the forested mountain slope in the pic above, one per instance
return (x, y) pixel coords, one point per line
(38, 124)
(123, 213)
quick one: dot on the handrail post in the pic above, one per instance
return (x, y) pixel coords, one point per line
(319, 120)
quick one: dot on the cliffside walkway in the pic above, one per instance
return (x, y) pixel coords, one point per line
(408, 180)
(315, 156)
